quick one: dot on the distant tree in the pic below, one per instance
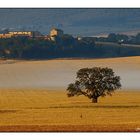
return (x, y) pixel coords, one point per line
(89, 41)
(112, 37)
(137, 39)
(122, 38)
(94, 82)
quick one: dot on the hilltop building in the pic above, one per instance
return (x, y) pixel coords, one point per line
(10, 34)
(5, 35)
(56, 32)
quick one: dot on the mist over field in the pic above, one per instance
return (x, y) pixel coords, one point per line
(55, 74)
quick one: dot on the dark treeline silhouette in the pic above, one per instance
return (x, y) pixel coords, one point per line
(62, 47)
(120, 38)
(37, 48)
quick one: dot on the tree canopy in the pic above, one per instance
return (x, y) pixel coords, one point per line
(94, 82)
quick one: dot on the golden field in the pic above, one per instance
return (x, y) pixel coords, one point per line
(33, 97)
(52, 110)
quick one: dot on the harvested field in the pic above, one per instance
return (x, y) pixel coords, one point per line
(52, 110)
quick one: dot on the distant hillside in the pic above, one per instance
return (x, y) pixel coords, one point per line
(65, 46)
(84, 22)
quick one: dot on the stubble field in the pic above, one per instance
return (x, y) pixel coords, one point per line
(52, 110)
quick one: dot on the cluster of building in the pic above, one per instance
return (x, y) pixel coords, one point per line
(9, 34)
(32, 34)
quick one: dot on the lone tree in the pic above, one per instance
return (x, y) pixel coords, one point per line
(94, 82)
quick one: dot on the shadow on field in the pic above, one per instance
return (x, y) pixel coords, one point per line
(96, 106)
(8, 111)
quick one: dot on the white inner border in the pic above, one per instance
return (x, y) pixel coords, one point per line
(70, 136)
(70, 3)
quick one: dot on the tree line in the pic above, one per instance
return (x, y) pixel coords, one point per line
(62, 47)
(25, 47)
(120, 38)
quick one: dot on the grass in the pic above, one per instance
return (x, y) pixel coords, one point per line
(52, 110)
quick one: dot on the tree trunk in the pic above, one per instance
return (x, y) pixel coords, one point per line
(94, 100)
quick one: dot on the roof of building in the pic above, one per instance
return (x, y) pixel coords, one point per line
(4, 31)
(57, 29)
